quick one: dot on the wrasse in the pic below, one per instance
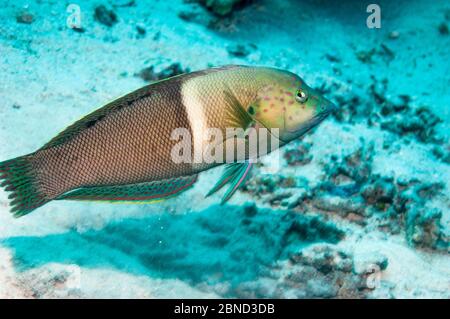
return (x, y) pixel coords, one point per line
(124, 150)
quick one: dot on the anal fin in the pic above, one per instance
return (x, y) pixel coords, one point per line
(146, 192)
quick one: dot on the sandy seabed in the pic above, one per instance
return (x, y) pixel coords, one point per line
(359, 209)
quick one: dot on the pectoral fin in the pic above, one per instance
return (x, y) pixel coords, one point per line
(235, 174)
(236, 115)
(227, 176)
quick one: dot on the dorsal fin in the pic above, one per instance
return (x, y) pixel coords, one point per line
(92, 118)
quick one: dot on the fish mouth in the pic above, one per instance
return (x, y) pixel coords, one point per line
(328, 108)
(313, 122)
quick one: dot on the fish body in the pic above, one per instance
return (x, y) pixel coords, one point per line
(124, 150)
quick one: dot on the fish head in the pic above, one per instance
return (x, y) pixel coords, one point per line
(289, 105)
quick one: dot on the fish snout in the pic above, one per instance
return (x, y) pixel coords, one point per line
(328, 107)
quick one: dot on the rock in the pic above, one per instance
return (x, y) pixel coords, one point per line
(338, 205)
(250, 209)
(397, 104)
(262, 184)
(172, 70)
(356, 166)
(447, 14)
(422, 223)
(378, 90)
(298, 198)
(187, 15)
(222, 7)
(25, 17)
(105, 16)
(77, 29)
(365, 56)
(298, 155)
(403, 181)
(399, 205)
(157, 36)
(240, 50)
(443, 29)
(316, 289)
(319, 271)
(278, 197)
(420, 122)
(350, 106)
(288, 191)
(429, 190)
(337, 71)
(442, 153)
(149, 74)
(424, 229)
(379, 194)
(252, 290)
(333, 57)
(124, 3)
(344, 191)
(311, 230)
(387, 52)
(324, 258)
(393, 35)
(357, 104)
(384, 51)
(140, 28)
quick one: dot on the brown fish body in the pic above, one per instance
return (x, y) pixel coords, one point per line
(129, 141)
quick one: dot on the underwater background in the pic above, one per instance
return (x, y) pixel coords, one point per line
(359, 209)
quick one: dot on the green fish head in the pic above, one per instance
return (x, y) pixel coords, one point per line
(289, 105)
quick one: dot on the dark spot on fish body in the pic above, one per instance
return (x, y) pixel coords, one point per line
(94, 121)
(131, 101)
(90, 123)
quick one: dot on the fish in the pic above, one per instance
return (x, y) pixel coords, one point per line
(124, 151)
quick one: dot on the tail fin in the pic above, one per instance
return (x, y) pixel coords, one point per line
(18, 177)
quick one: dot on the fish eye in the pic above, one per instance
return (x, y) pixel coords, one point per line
(301, 96)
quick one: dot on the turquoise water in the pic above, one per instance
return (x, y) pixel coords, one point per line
(359, 208)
